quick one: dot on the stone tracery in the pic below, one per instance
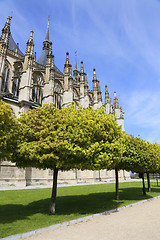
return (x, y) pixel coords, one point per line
(37, 93)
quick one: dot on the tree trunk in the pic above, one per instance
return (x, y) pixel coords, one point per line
(144, 189)
(117, 184)
(157, 179)
(52, 208)
(99, 175)
(148, 181)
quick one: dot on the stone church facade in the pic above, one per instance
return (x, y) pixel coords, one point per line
(26, 82)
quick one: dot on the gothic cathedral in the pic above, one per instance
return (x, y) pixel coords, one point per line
(26, 82)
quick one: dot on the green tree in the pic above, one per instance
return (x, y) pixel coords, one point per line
(134, 158)
(154, 160)
(8, 130)
(140, 156)
(67, 139)
(117, 166)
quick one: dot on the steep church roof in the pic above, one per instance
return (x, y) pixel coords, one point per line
(8, 39)
(13, 46)
(43, 58)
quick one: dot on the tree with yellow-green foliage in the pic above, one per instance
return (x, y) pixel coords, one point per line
(153, 160)
(8, 131)
(141, 157)
(67, 139)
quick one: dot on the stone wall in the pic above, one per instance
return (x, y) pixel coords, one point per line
(11, 175)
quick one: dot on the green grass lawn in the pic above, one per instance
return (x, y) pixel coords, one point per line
(26, 210)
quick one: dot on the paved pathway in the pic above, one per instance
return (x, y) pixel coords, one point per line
(140, 222)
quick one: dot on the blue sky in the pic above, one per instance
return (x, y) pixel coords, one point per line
(120, 38)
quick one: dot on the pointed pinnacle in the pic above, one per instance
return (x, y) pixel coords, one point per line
(31, 36)
(9, 19)
(94, 74)
(75, 66)
(47, 34)
(82, 69)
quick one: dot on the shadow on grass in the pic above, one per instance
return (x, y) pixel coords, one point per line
(67, 205)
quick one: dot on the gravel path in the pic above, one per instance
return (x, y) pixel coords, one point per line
(141, 221)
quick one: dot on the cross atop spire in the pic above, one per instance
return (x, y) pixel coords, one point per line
(9, 19)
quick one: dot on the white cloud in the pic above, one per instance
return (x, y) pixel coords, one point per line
(142, 112)
(140, 20)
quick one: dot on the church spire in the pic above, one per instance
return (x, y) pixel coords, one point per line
(47, 48)
(75, 71)
(46, 43)
(47, 33)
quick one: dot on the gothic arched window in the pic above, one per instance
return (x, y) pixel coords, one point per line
(57, 95)
(16, 79)
(5, 78)
(57, 100)
(37, 93)
(75, 95)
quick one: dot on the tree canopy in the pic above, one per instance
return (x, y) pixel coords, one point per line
(8, 130)
(67, 139)
(140, 156)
